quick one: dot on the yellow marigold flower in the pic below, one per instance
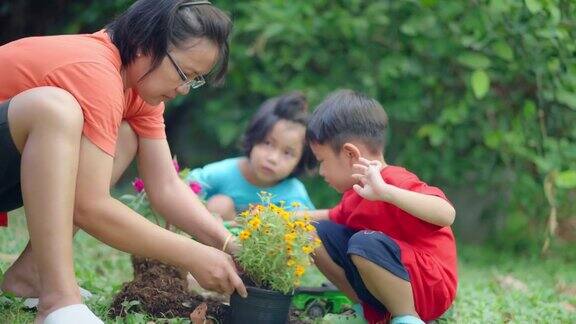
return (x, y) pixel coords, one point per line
(285, 215)
(244, 235)
(317, 242)
(245, 213)
(299, 270)
(307, 249)
(290, 237)
(309, 228)
(299, 224)
(296, 204)
(290, 262)
(254, 222)
(288, 248)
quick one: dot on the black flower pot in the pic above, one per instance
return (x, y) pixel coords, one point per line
(261, 306)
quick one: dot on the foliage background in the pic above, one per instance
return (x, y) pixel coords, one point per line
(481, 94)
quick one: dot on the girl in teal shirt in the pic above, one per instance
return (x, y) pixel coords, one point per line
(275, 153)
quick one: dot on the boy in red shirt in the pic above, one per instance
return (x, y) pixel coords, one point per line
(388, 243)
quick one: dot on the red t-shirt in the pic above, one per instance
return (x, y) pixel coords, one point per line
(428, 251)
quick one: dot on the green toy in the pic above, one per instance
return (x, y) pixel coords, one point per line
(318, 301)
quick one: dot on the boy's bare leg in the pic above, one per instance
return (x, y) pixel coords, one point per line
(223, 206)
(393, 292)
(22, 278)
(334, 273)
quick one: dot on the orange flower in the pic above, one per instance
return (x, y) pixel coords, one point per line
(299, 270)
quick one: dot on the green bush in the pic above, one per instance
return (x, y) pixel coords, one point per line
(481, 94)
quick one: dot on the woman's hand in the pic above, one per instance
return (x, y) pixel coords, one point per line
(215, 271)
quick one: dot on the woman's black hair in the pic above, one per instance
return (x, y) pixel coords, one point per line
(346, 115)
(291, 107)
(151, 26)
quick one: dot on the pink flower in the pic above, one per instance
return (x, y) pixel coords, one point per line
(138, 185)
(176, 166)
(196, 187)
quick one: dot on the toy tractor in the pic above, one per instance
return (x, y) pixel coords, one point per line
(316, 302)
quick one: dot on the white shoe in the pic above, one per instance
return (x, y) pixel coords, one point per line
(33, 302)
(72, 314)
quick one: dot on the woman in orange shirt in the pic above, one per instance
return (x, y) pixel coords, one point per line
(74, 112)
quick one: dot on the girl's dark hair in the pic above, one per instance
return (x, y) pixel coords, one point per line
(150, 26)
(346, 115)
(292, 107)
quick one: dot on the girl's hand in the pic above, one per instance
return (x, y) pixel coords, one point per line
(371, 186)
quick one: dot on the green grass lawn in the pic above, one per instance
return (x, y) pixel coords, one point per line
(494, 287)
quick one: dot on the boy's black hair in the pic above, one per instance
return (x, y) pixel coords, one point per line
(292, 107)
(151, 26)
(347, 115)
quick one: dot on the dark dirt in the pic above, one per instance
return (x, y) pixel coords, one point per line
(160, 290)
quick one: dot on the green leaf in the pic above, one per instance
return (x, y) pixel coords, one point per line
(503, 50)
(566, 179)
(474, 60)
(534, 6)
(567, 98)
(480, 83)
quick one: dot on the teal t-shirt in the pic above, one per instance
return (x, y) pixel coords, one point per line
(225, 178)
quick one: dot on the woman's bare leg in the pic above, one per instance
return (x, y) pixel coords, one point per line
(22, 278)
(46, 126)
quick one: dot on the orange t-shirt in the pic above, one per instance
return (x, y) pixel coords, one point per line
(87, 66)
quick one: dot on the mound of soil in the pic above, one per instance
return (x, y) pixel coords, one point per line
(161, 291)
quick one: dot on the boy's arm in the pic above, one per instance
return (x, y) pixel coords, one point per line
(316, 215)
(431, 209)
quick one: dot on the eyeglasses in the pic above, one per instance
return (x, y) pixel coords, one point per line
(194, 83)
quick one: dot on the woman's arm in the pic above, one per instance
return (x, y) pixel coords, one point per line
(172, 198)
(118, 226)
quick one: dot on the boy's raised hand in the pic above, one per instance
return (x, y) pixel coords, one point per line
(371, 186)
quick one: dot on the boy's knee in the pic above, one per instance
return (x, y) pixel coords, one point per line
(362, 238)
(324, 228)
(371, 242)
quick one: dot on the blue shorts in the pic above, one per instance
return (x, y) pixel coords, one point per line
(340, 242)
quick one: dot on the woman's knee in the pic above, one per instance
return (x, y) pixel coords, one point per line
(44, 107)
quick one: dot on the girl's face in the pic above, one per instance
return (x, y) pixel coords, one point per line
(276, 157)
(195, 58)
